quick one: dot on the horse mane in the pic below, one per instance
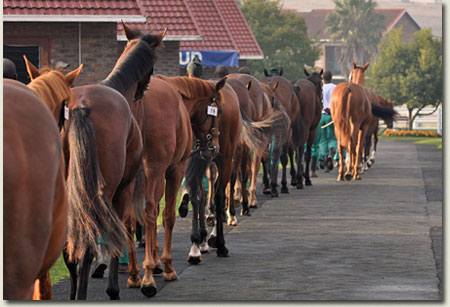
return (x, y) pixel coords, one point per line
(134, 67)
(190, 87)
(51, 86)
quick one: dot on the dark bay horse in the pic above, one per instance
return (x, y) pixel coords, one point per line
(35, 204)
(220, 147)
(311, 110)
(289, 97)
(278, 139)
(103, 148)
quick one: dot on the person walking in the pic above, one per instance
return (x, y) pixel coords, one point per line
(328, 142)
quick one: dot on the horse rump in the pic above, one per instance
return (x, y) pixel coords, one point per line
(90, 212)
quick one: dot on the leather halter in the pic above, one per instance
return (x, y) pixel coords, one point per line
(207, 143)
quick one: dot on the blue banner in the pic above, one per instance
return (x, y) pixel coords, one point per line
(210, 58)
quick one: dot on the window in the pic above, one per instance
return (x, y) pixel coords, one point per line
(332, 63)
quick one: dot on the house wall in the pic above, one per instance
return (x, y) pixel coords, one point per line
(60, 41)
(409, 28)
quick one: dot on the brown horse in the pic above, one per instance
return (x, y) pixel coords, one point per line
(289, 97)
(35, 198)
(223, 138)
(103, 150)
(311, 110)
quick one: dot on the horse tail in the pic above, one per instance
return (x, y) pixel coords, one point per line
(299, 127)
(384, 113)
(346, 104)
(90, 212)
(256, 134)
(195, 170)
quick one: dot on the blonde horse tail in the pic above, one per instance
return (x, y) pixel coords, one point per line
(346, 106)
(90, 213)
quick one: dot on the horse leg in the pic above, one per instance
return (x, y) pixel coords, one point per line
(284, 162)
(294, 179)
(72, 268)
(375, 142)
(265, 183)
(341, 163)
(134, 280)
(211, 174)
(274, 161)
(300, 171)
(222, 251)
(195, 255)
(245, 170)
(83, 274)
(173, 181)
(230, 212)
(366, 153)
(204, 247)
(43, 288)
(153, 193)
(308, 154)
(359, 150)
(352, 153)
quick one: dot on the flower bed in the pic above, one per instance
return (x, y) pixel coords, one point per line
(417, 133)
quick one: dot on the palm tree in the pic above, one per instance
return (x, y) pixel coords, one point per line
(358, 27)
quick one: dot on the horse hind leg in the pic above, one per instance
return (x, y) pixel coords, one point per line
(284, 162)
(134, 280)
(195, 255)
(292, 171)
(341, 163)
(43, 288)
(72, 268)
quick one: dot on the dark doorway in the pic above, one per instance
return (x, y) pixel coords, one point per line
(15, 54)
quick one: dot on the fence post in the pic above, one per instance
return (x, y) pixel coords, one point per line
(439, 123)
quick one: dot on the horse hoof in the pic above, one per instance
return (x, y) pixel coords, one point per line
(299, 186)
(266, 191)
(184, 208)
(274, 193)
(158, 269)
(194, 260)
(113, 294)
(172, 276)
(204, 248)
(232, 221)
(223, 252)
(99, 270)
(284, 190)
(236, 203)
(245, 212)
(149, 290)
(212, 242)
(340, 178)
(348, 177)
(210, 220)
(133, 282)
(308, 182)
(293, 183)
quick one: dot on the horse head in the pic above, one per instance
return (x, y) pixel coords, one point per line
(357, 74)
(316, 79)
(273, 71)
(131, 74)
(53, 88)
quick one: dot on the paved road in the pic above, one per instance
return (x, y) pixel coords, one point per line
(375, 239)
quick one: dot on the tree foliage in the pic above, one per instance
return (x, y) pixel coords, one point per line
(282, 37)
(358, 27)
(411, 73)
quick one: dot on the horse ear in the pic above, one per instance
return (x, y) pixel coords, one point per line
(281, 72)
(128, 32)
(366, 66)
(274, 86)
(306, 72)
(354, 65)
(159, 38)
(33, 72)
(321, 72)
(249, 85)
(220, 84)
(266, 73)
(72, 76)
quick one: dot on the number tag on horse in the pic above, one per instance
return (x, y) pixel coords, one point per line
(66, 112)
(212, 111)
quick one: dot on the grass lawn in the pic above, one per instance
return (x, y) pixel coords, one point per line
(417, 140)
(59, 269)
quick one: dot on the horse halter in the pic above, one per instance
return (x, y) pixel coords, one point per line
(64, 115)
(207, 143)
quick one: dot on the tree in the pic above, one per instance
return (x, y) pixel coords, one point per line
(411, 73)
(282, 37)
(358, 27)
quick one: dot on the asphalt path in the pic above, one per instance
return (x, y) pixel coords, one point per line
(375, 239)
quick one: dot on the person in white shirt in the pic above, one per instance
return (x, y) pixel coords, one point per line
(328, 142)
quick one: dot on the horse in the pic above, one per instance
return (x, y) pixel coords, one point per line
(35, 198)
(352, 111)
(369, 156)
(271, 160)
(219, 146)
(102, 146)
(289, 97)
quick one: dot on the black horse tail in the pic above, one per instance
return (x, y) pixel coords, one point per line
(90, 212)
(384, 113)
(298, 130)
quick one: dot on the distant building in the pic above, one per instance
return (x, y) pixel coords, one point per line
(331, 50)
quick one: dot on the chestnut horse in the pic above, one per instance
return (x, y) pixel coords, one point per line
(52, 87)
(218, 146)
(351, 110)
(289, 97)
(35, 198)
(311, 110)
(101, 114)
